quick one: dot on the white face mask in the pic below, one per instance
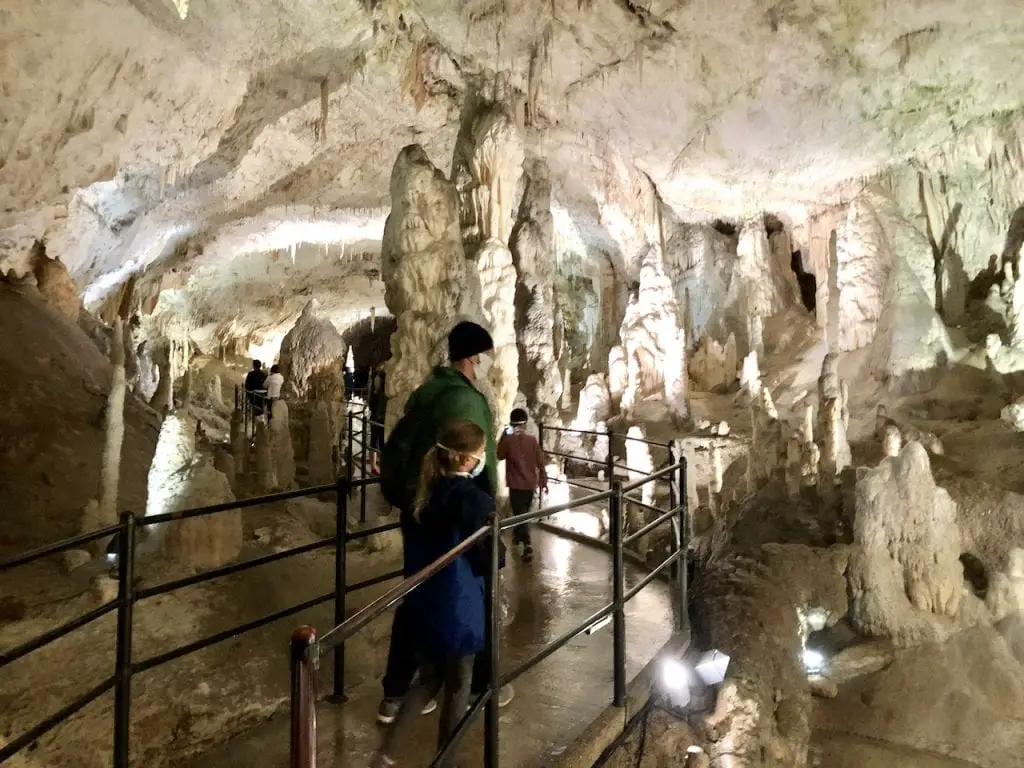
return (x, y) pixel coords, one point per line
(484, 366)
(479, 468)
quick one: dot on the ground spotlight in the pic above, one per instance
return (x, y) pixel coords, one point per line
(814, 661)
(689, 679)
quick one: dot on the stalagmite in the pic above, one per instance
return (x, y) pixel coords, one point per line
(281, 445)
(652, 339)
(844, 400)
(566, 402)
(810, 459)
(163, 398)
(239, 448)
(531, 246)
(214, 393)
(312, 357)
(186, 388)
(266, 480)
(893, 441)
(424, 272)
(201, 543)
(808, 423)
(224, 463)
(715, 484)
(905, 575)
(110, 472)
(794, 467)
(640, 463)
(835, 451)
(750, 377)
(175, 450)
(321, 464)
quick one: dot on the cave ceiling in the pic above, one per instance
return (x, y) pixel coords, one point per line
(132, 131)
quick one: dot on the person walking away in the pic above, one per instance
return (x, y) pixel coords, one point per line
(447, 611)
(448, 393)
(378, 410)
(255, 387)
(273, 384)
(524, 474)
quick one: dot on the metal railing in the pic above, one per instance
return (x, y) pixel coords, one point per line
(126, 665)
(307, 648)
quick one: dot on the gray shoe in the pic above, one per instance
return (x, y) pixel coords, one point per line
(388, 710)
(505, 695)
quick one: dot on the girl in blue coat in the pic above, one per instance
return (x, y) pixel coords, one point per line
(448, 609)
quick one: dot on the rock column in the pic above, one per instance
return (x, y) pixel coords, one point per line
(486, 170)
(532, 244)
(424, 272)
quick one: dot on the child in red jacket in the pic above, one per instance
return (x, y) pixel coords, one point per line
(524, 473)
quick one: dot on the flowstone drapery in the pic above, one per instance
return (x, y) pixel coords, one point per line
(313, 354)
(532, 244)
(486, 169)
(423, 269)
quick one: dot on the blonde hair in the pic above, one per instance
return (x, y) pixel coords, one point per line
(457, 440)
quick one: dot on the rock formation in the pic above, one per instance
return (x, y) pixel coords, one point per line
(312, 354)
(54, 283)
(281, 445)
(266, 479)
(905, 574)
(201, 543)
(321, 441)
(486, 169)
(653, 344)
(762, 713)
(531, 244)
(713, 365)
(175, 451)
(424, 272)
(107, 511)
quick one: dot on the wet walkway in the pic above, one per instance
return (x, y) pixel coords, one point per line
(554, 702)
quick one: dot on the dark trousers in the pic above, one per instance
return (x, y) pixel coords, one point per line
(403, 660)
(450, 675)
(521, 502)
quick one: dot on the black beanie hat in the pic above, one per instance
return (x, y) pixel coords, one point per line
(518, 416)
(467, 339)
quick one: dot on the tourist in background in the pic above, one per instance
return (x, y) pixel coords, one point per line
(524, 474)
(273, 384)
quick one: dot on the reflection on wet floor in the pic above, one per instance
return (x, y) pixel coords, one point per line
(554, 702)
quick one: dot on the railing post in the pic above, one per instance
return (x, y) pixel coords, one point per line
(123, 670)
(540, 435)
(618, 591)
(671, 486)
(340, 584)
(303, 736)
(349, 469)
(362, 466)
(609, 467)
(683, 562)
(236, 397)
(492, 646)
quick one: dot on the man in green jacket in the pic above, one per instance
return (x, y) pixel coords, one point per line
(451, 393)
(448, 393)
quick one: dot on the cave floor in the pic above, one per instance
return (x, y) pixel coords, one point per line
(554, 701)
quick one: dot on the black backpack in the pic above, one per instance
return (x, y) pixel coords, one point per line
(403, 453)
